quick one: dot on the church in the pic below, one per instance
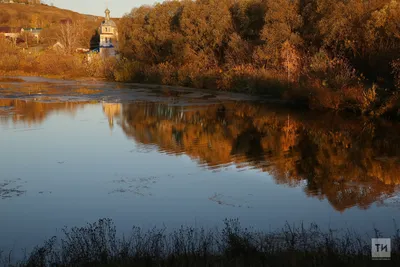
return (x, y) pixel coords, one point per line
(108, 36)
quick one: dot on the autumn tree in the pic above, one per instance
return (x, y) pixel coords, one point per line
(291, 61)
(10, 55)
(5, 17)
(29, 39)
(261, 45)
(248, 18)
(282, 24)
(69, 36)
(35, 21)
(206, 26)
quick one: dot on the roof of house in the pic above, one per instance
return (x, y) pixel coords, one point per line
(7, 29)
(33, 29)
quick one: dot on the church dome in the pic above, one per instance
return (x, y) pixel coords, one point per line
(108, 23)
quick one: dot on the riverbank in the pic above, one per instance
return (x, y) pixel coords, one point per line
(313, 94)
(328, 85)
(98, 244)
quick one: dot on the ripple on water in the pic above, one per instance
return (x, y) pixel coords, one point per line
(11, 188)
(140, 186)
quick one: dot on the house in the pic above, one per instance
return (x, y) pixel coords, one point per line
(11, 32)
(108, 36)
(34, 31)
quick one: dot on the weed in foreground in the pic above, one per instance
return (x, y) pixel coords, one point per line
(98, 244)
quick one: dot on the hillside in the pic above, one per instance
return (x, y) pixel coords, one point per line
(20, 15)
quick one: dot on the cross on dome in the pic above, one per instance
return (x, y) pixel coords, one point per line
(107, 14)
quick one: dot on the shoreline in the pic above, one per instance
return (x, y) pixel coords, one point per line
(239, 96)
(99, 244)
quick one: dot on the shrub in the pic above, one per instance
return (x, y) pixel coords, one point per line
(9, 62)
(10, 55)
(127, 71)
(334, 84)
(95, 66)
(246, 78)
(163, 73)
(323, 97)
(66, 65)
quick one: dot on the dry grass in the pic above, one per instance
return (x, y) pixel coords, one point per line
(98, 244)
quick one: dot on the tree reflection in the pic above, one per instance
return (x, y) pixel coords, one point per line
(350, 162)
(32, 112)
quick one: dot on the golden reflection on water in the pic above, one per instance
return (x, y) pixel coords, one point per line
(32, 112)
(349, 162)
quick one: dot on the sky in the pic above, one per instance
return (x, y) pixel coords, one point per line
(96, 7)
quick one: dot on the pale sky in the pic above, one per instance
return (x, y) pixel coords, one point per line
(96, 7)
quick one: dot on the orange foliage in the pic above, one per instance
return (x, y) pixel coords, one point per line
(350, 162)
(342, 160)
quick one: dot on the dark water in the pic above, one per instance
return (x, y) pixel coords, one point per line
(168, 158)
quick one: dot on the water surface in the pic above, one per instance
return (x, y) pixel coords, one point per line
(74, 152)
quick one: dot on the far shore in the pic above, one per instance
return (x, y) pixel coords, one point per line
(17, 76)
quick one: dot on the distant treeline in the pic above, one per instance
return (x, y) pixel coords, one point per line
(337, 54)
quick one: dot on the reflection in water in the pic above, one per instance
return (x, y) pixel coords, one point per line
(111, 110)
(32, 112)
(350, 162)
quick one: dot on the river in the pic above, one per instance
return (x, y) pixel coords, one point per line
(76, 151)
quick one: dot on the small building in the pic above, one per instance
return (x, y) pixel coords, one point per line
(108, 36)
(34, 31)
(11, 32)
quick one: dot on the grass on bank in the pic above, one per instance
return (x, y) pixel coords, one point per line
(98, 244)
